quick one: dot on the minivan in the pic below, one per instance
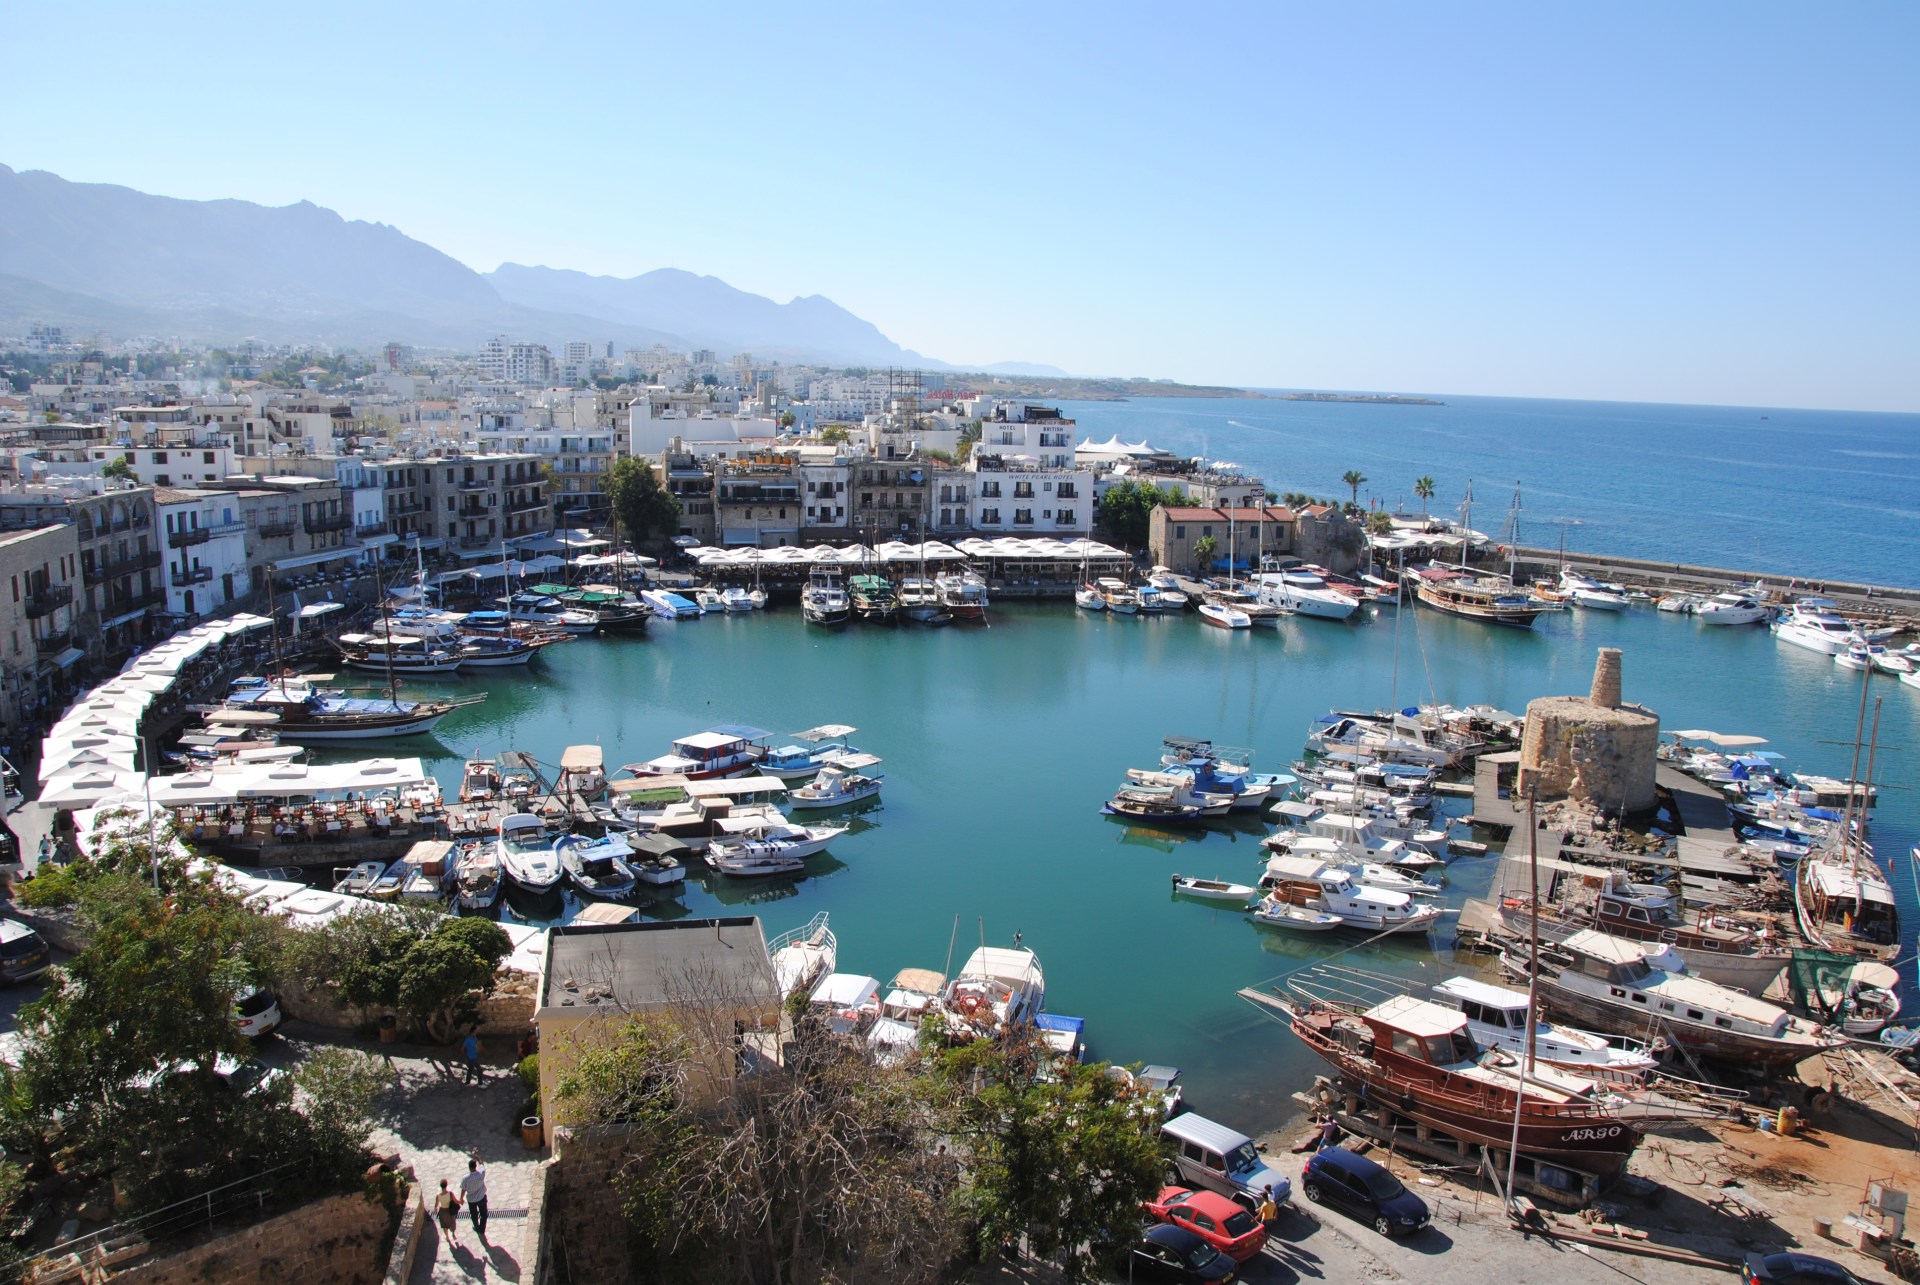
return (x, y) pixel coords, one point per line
(1210, 1155)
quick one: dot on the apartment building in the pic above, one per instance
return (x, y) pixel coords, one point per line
(293, 523)
(889, 499)
(1013, 495)
(206, 548)
(757, 501)
(480, 503)
(120, 556)
(1036, 432)
(41, 592)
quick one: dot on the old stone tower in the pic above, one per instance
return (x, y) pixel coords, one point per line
(1592, 750)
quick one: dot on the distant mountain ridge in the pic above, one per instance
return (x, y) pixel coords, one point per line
(100, 256)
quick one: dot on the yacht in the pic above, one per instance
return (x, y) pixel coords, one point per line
(1498, 1018)
(1584, 591)
(1729, 609)
(1221, 616)
(1812, 623)
(1329, 889)
(1304, 591)
(526, 853)
(824, 601)
(737, 598)
(412, 657)
(1118, 597)
(753, 848)
(1628, 988)
(1259, 613)
(998, 989)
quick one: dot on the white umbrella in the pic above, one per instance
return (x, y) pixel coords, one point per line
(90, 788)
(545, 562)
(73, 760)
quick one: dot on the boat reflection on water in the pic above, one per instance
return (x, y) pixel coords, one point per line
(1409, 954)
(1234, 827)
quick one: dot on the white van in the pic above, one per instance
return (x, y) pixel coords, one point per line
(1210, 1155)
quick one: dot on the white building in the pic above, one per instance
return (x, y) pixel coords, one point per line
(1020, 497)
(1037, 432)
(204, 548)
(168, 465)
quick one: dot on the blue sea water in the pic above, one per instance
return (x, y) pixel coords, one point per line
(1812, 494)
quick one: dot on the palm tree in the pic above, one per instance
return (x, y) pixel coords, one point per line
(1354, 479)
(1204, 548)
(1424, 489)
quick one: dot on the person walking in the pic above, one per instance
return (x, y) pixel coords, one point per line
(472, 1047)
(446, 1209)
(473, 1189)
(1268, 1211)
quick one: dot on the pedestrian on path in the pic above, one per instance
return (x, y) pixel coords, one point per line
(46, 849)
(473, 1188)
(1268, 1211)
(446, 1208)
(472, 1046)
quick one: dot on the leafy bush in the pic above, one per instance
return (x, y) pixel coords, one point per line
(529, 1072)
(52, 886)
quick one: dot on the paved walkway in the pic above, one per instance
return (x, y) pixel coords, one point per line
(432, 1119)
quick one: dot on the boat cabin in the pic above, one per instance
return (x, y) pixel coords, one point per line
(1494, 1006)
(1620, 972)
(1421, 1031)
(1857, 902)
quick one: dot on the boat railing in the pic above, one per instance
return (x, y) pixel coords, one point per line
(1352, 990)
(814, 932)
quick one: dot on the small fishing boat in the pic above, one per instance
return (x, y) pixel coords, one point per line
(596, 867)
(843, 782)
(1213, 889)
(478, 884)
(1860, 654)
(752, 858)
(726, 750)
(583, 773)
(657, 859)
(1278, 914)
(1221, 616)
(737, 599)
(708, 599)
(998, 989)
(359, 881)
(818, 746)
(1159, 805)
(1119, 599)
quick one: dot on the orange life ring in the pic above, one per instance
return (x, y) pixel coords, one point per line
(968, 1005)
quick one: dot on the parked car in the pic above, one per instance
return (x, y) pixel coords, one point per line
(1794, 1269)
(1213, 1218)
(1168, 1253)
(1334, 1176)
(244, 1076)
(23, 952)
(256, 1012)
(1208, 1154)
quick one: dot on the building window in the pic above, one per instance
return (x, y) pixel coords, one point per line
(1066, 517)
(1179, 533)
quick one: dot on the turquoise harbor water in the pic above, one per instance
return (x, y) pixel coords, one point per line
(1814, 494)
(1002, 742)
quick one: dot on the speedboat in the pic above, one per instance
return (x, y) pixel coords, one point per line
(1728, 609)
(671, 606)
(1859, 654)
(708, 599)
(1683, 604)
(841, 783)
(478, 883)
(758, 848)
(1213, 889)
(526, 853)
(1304, 591)
(597, 867)
(1089, 598)
(1813, 623)
(359, 881)
(1587, 592)
(1221, 616)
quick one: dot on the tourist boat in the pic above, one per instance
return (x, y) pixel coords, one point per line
(479, 882)
(1135, 803)
(752, 858)
(668, 605)
(873, 598)
(1418, 1059)
(583, 773)
(360, 880)
(824, 601)
(1304, 591)
(1213, 889)
(1000, 988)
(1279, 914)
(1117, 596)
(657, 859)
(1330, 889)
(1624, 988)
(802, 956)
(549, 613)
(1813, 623)
(526, 853)
(1844, 903)
(1221, 616)
(1498, 1018)
(1372, 836)
(847, 1004)
(483, 651)
(596, 867)
(1491, 598)
(727, 750)
(411, 657)
(1260, 613)
(1090, 598)
(798, 762)
(1729, 609)
(614, 608)
(919, 601)
(842, 783)
(964, 594)
(1152, 601)
(1585, 591)
(305, 715)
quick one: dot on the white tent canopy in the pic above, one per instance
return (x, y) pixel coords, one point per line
(89, 788)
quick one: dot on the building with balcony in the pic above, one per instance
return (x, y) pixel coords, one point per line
(1015, 495)
(481, 504)
(40, 622)
(205, 541)
(120, 554)
(1024, 429)
(294, 523)
(757, 500)
(168, 465)
(889, 499)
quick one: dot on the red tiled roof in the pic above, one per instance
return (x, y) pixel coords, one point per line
(1190, 514)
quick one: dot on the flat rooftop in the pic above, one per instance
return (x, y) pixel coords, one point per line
(639, 966)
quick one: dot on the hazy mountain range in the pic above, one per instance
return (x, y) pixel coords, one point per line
(96, 256)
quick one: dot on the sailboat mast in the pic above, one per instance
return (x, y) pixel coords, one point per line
(1865, 787)
(1533, 992)
(273, 613)
(1853, 772)
(1466, 523)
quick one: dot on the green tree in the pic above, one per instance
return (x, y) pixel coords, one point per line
(120, 466)
(787, 419)
(410, 959)
(1204, 550)
(1125, 511)
(1379, 522)
(1354, 479)
(834, 434)
(639, 502)
(1424, 488)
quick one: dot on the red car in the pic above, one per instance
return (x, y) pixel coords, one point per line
(1209, 1215)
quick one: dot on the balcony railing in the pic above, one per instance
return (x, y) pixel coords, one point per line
(48, 600)
(138, 601)
(529, 506)
(367, 530)
(319, 523)
(132, 564)
(188, 535)
(278, 530)
(475, 484)
(52, 644)
(182, 579)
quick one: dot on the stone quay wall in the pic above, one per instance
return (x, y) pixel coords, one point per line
(336, 1241)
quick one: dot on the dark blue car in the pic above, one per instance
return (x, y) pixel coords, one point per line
(1363, 1189)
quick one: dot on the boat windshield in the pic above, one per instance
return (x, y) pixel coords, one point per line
(1454, 1047)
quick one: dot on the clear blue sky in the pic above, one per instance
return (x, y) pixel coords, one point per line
(1684, 202)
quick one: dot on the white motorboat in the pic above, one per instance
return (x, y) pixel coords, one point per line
(1221, 616)
(526, 853)
(753, 858)
(964, 595)
(843, 782)
(1682, 604)
(1497, 1016)
(1587, 592)
(1089, 598)
(1280, 914)
(727, 750)
(542, 609)
(1812, 623)
(583, 773)
(1729, 609)
(1371, 875)
(1213, 889)
(1000, 988)
(359, 881)
(755, 847)
(428, 871)
(1119, 599)
(1900, 660)
(479, 882)
(657, 859)
(818, 747)
(708, 599)
(848, 1003)
(825, 600)
(737, 598)
(596, 867)
(1329, 889)
(1304, 591)
(911, 994)
(920, 601)
(1859, 655)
